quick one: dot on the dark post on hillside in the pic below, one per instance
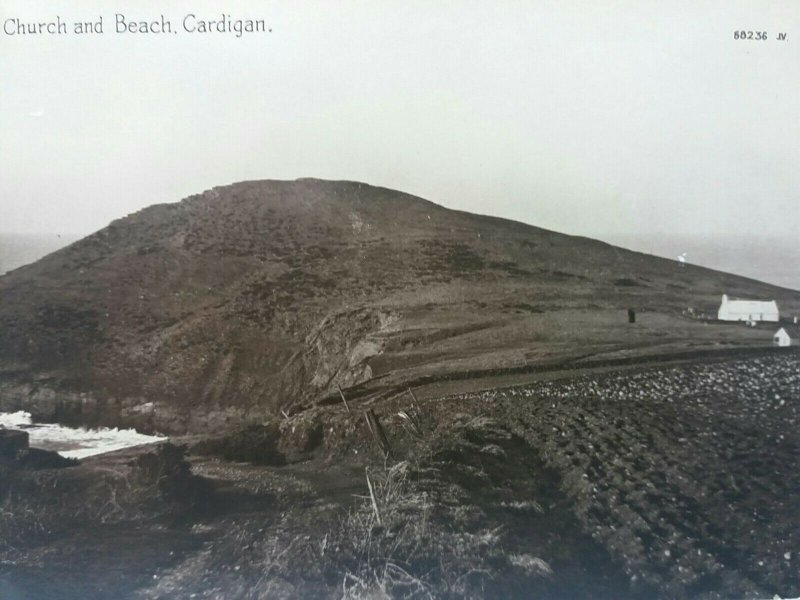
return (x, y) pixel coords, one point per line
(631, 316)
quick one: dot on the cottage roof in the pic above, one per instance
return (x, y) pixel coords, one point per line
(752, 306)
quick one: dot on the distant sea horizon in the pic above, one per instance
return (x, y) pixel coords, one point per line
(20, 249)
(770, 259)
(774, 260)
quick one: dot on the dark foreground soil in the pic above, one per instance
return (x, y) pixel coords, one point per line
(662, 482)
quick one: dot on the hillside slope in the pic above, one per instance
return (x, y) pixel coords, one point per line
(232, 304)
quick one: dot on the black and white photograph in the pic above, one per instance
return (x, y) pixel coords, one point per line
(400, 300)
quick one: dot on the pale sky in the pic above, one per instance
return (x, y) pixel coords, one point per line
(592, 118)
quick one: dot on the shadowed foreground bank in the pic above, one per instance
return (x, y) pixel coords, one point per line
(662, 482)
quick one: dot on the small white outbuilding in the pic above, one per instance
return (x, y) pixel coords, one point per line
(748, 310)
(781, 338)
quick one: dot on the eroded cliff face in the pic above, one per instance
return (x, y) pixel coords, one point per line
(339, 348)
(249, 299)
(335, 354)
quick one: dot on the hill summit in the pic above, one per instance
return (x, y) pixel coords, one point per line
(262, 296)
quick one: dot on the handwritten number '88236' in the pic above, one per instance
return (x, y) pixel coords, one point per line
(750, 35)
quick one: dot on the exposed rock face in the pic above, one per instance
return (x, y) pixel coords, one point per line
(16, 453)
(340, 346)
(223, 308)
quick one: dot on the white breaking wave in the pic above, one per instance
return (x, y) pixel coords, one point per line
(75, 442)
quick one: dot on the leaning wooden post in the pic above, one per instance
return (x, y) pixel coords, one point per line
(377, 432)
(372, 496)
(414, 402)
(341, 393)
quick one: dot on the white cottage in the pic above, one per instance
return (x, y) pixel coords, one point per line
(748, 310)
(781, 338)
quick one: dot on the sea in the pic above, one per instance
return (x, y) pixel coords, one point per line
(774, 260)
(18, 249)
(74, 442)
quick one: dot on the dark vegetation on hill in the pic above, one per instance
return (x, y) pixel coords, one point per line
(233, 304)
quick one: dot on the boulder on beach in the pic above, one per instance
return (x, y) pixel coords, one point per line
(12, 441)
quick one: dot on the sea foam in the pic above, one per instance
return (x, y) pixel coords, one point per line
(75, 442)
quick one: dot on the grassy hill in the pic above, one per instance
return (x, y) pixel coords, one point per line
(233, 304)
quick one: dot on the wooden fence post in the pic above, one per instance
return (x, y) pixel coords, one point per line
(378, 434)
